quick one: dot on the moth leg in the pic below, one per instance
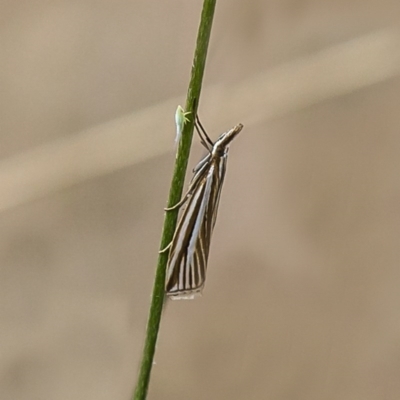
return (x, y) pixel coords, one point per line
(182, 200)
(205, 139)
(179, 203)
(165, 249)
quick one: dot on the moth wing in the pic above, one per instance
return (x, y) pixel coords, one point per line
(187, 263)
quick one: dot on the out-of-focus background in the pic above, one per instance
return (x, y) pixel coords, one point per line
(302, 299)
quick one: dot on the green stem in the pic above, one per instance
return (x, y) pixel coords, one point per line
(175, 194)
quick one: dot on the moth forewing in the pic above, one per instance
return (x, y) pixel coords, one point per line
(190, 246)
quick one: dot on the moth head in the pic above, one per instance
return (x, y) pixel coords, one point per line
(222, 144)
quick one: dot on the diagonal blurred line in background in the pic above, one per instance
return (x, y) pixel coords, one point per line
(331, 72)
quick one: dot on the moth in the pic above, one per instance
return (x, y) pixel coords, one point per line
(190, 246)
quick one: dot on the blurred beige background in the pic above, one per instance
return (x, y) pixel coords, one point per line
(302, 299)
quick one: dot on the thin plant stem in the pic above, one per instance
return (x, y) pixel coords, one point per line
(175, 193)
